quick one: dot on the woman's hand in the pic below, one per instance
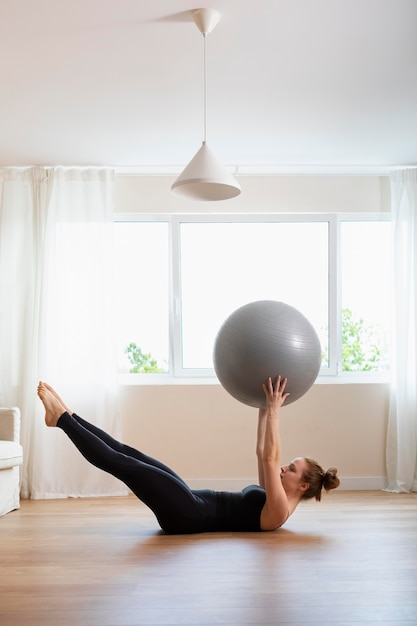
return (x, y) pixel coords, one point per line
(275, 394)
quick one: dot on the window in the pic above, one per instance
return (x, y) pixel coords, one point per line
(225, 265)
(179, 277)
(365, 294)
(142, 295)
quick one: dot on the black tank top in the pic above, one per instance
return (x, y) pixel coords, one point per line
(234, 511)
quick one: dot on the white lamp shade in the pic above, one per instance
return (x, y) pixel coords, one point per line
(206, 178)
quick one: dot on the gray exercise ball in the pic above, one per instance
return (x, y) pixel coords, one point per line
(262, 339)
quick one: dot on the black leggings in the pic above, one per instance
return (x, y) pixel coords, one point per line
(177, 508)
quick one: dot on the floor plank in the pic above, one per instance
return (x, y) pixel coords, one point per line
(349, 560)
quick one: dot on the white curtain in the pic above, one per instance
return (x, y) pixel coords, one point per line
(56, 325)
(401, 451)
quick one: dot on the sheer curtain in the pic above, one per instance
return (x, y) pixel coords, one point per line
(402, 424)
(56, 317)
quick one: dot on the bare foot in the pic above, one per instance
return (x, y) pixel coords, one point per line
(53, 408)
(52, 390)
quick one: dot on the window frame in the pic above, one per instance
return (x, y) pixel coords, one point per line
(176, 374)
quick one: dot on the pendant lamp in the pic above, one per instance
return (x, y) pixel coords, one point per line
(205, 177)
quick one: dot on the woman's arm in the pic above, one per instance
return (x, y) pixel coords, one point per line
(260, 442)
(275, 511)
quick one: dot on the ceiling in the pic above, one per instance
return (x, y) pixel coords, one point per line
(293, 85)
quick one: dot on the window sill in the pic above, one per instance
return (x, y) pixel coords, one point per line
(347, 378)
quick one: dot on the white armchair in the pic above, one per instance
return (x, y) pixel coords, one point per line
(11, 456)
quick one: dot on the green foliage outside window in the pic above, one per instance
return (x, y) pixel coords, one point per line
(141, 363)
(363, 350)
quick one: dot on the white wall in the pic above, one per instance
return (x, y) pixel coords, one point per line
(207, 436)
(277, 194)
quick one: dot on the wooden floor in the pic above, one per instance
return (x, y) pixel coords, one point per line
(102, 562)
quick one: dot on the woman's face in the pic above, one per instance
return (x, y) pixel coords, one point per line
(292, 474)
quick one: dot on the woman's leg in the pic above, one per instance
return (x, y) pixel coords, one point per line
(177, 509)
(173, 503)
(125, 449)
(110, 441)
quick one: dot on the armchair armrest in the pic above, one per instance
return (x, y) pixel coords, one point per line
(10, 424)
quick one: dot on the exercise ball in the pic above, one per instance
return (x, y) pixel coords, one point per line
(263, 339)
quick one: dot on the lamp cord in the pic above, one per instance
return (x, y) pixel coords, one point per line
(205, 87)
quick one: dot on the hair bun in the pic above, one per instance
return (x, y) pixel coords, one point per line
(330, 479)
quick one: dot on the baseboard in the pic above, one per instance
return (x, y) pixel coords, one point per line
(347, 483)
(363, 483)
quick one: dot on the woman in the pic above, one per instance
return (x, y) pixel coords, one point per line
(179, 509)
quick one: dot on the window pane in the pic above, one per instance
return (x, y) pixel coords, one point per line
(227, 265)
(366, 294)
(142, 294)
